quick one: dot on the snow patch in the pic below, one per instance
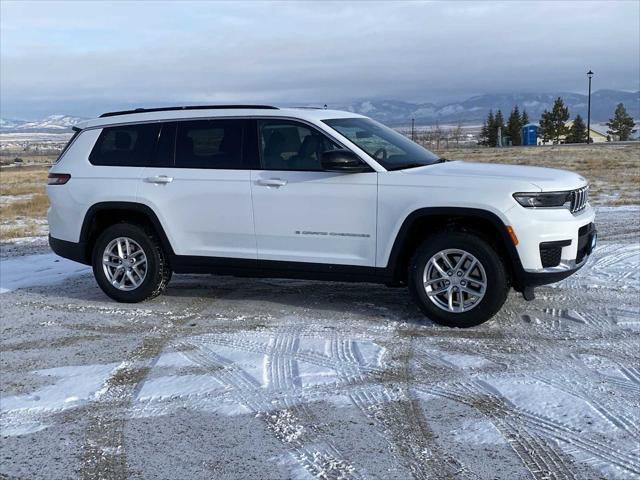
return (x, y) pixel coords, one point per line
(478, 432)
(37, 270)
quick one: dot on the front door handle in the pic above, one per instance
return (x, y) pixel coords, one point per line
(272, 182)
(160, 179)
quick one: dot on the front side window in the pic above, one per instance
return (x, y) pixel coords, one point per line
(125, 146)
(389, 148)
(215, 144)
(287, 145)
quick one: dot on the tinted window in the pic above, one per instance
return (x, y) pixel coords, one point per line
(286, 145)
(126, 146)
(165, 148)
(209, 144)
(389, 148)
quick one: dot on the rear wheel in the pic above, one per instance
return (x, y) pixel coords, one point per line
(458, 279)
(129, 263)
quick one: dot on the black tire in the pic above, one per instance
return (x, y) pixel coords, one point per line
(497, 278)
(158, 272)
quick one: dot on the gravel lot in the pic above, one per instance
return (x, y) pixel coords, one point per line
(234, 378)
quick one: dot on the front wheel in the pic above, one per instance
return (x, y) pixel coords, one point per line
(458, 279)
(129, 263)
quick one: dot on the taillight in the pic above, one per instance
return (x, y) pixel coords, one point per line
(58, 178)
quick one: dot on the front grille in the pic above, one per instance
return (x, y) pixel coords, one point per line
(579, 199)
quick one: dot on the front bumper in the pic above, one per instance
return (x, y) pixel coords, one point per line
(587, 241)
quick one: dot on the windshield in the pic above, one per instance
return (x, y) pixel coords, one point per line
(389, 148)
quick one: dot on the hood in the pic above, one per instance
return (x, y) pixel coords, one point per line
(546, 179)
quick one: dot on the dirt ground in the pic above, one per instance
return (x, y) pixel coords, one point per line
(240, 379)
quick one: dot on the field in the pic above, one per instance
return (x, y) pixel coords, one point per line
(23, 202)
(234, 378)
(612, 169)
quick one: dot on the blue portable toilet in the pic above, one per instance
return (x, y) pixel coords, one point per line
(530, 134)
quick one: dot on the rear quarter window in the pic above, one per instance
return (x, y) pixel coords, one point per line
(66, 147)
(125, 146)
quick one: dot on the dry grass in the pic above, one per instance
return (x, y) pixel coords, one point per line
(612, 169)
(33, 207)
(23, 217)
(7, 158)
(21, 180)
(19, 231)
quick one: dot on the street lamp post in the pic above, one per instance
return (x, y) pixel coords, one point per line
(589, 74)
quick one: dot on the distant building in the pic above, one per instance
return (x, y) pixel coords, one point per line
(595, 134)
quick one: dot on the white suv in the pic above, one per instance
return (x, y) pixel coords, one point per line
(309, 193)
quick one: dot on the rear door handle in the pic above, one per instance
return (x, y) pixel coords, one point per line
(272, 182)
(159, 179)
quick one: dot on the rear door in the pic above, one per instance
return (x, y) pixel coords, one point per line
(302, 213)
(200, 188)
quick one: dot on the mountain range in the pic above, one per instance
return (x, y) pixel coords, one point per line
(399, 113)
(475, 109)
(50, 124)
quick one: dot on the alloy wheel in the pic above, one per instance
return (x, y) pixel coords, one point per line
(454, 280)
(124, 263)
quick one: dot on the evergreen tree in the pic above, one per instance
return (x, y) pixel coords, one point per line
(577, 131)
(552, 124)
(486, 135)
(498, 126)
(524, 120)
(621, 125)
(514, 127)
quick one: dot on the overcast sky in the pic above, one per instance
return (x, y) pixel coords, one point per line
(82, 58)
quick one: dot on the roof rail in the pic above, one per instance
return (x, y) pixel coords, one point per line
(187, 107)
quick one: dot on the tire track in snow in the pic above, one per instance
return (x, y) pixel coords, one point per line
(399, 418)
(539, 458)
(611, 410)
(103, 449)
(321, 458)
(555, 429)
(307, 356)
(483, 395)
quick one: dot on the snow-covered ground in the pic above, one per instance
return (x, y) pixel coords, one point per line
(242, 378)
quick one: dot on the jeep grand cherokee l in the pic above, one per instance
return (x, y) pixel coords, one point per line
(309, 193)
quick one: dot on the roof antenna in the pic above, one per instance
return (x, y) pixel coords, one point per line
(325, 106)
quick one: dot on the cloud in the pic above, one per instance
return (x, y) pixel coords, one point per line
(85, 57)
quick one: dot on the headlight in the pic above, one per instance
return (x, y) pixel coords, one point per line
(544, 199)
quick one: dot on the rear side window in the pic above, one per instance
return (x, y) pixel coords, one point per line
(215, 144)
(125, 146)
(66, 147)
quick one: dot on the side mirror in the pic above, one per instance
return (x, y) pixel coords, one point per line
(343, 161)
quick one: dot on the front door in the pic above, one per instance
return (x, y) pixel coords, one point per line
(305, 214)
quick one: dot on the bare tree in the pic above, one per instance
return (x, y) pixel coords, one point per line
(436, 132)
(457, 133)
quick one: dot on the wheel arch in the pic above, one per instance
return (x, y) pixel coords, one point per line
(425, 221)
(104, 214)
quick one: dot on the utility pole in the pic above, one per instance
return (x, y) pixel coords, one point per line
(413, 129)
(589, 74)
